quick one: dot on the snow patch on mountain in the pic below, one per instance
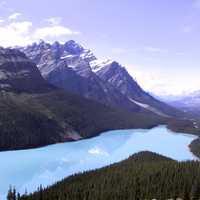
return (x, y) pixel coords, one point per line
(88, 55)
(67, 56)
(97, 65)
(76, 69)
(150, 108)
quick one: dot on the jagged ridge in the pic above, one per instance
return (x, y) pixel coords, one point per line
(75, 69)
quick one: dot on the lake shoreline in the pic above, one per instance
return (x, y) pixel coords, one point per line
(69, 140)
(49, 164)
(191, 146)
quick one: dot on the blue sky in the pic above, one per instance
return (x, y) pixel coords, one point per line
(158, 41)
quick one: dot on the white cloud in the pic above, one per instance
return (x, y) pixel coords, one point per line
(14, 16)
(20, 28)
(15, 34)
(155, 83)
(54, 21)
(164, 83)
(21, 33)
(53, 31)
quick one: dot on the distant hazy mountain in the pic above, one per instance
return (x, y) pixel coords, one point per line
(189, 103)
(35, 113)
(76, 69)
(168, 98)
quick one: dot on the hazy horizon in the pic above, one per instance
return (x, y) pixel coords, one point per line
(156, 41)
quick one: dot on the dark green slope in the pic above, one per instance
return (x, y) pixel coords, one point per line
(33, 120)
(143, 176)
(34, 113)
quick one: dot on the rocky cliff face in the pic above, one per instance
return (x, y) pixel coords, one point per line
(18, 73)
(113, 73)
(75, 69)
(116, 75)
(33, 113)
(67, 66)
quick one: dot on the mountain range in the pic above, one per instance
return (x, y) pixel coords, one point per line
(52, 93)
(36, 113)
(188, 103)
(77, 70)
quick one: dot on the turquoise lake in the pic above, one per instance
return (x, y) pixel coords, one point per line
(27, 169)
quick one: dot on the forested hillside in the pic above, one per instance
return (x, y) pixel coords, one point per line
(35, 113)
(143, 176)
(33, 120)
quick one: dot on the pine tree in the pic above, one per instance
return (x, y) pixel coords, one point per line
(11, 194)
(195, 191)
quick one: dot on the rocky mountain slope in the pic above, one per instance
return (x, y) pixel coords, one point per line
(18, 73)
(35, 113)
(75, 69)
(116, 75)
(67, 66)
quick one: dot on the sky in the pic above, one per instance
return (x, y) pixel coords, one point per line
(157, 41)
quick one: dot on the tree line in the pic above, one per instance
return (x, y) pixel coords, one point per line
(143, 176)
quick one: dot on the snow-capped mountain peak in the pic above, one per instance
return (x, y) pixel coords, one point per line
(88, 55)
(76, 69)
(73, 47)
(97, 65)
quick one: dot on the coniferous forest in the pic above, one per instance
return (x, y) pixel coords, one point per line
(144, 175)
